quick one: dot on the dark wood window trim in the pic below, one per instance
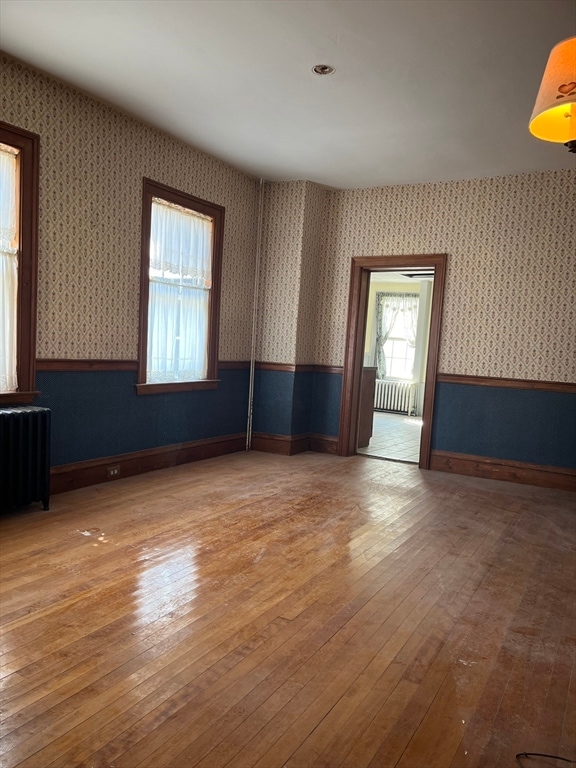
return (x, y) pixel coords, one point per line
(29, 146)
(153, 189)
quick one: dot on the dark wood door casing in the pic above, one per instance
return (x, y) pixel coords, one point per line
(361, 269)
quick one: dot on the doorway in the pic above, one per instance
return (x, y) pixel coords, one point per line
(394, 365)
(354, 398)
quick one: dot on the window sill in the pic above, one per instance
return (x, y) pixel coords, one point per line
(179, 386)
(17, 398)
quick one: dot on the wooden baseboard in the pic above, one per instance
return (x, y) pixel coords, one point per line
(324, 444)
(500, 469)
(285, 445)
(67, 477)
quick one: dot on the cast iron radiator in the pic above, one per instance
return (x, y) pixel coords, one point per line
(398, 396)
(24, 456)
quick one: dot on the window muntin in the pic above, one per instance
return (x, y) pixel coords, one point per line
(180, 290)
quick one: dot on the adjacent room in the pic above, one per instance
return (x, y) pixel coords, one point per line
(287, 383)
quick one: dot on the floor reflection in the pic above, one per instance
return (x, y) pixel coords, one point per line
(166, 580)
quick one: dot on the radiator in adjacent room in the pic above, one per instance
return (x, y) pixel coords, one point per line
(397, 396)
(24, 456)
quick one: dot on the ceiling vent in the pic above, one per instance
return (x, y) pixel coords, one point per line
(323, 69)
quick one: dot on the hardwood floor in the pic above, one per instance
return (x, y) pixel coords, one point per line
(261, 610)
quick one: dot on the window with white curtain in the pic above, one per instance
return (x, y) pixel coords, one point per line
(8, 268)
(396, 324)
(18, 263)
(181, 264)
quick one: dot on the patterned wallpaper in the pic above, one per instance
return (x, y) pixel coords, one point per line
(92, 161)
(289, 271)
(510, 296)
(279, 284)
(309, 298)
(510, 299)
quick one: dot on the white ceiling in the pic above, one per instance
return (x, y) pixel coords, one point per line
(389, 276)
(424, 90)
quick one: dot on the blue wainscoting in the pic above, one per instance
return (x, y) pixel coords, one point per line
(273, 395)
(296, 403)
(325, 410)
(302, 402)
(527, 425)
(97, 413)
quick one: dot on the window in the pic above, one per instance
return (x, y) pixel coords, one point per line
(396, 324)
(399, 353)
(182, 240)
(18, 263)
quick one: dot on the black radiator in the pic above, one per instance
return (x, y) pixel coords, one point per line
(24, 456)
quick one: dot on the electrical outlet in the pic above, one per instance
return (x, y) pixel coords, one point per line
(113, 471)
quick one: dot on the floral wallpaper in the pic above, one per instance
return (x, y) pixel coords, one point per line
(289, 271)
(92, 161)
(309, 299)
(510, 294)
(280, 265)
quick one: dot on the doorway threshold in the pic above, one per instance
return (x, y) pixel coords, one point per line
(386, 458)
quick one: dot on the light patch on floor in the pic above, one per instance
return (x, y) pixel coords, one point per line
(394, 436)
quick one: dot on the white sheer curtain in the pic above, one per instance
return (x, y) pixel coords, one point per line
(387, 308)
(410, 317)
(8, 272)
(180, 282)
(388, 305)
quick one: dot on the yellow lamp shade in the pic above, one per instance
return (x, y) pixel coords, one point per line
(554, 115)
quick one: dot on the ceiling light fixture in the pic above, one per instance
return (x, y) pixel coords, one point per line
(554, 115)
(323, 69)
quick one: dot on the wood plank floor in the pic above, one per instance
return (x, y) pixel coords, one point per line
(269, 611)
